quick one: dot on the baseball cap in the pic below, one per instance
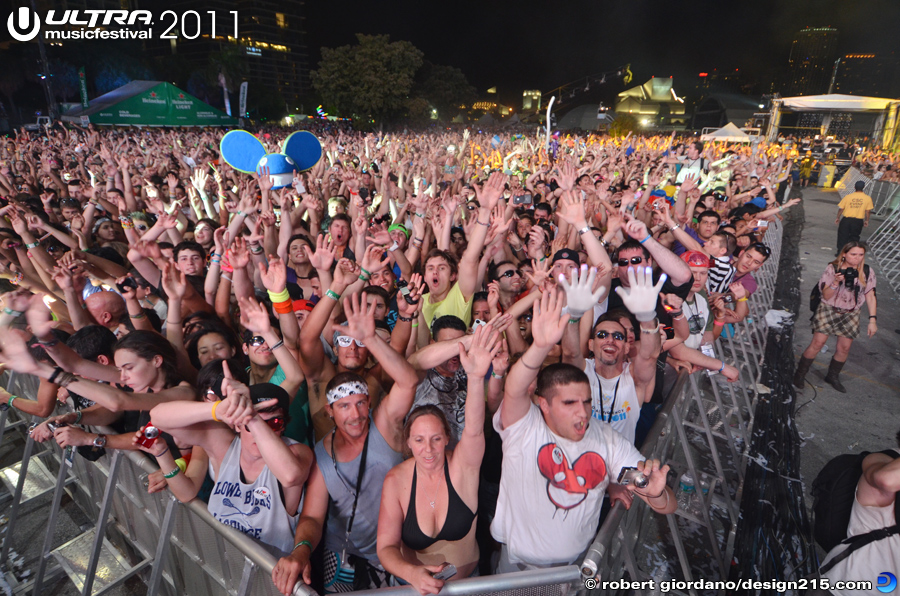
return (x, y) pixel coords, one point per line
(758, 201)
(859, 185)
(695, 258)
(565, 253)
(400, 227)
(303, 305)
(261, 392)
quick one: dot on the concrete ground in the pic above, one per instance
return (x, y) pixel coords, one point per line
(868, 416)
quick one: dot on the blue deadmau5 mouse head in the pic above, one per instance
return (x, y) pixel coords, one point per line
(245, 153)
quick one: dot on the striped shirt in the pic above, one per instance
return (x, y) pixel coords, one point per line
(720, 275)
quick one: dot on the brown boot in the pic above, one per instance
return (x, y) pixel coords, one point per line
(832, 378)
(802, 369)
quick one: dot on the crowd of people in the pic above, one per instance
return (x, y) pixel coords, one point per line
(429, 357)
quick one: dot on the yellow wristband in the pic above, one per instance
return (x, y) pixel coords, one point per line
(742, 299)
(215, 405)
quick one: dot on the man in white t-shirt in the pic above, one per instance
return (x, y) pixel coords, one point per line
(557, 464)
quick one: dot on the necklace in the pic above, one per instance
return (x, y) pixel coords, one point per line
(432, 500)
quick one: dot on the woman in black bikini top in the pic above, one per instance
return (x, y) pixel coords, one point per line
(429, 503)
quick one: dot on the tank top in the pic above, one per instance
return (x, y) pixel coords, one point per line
(614, 401)
(340, 479)
(456, 526)
(256, 509)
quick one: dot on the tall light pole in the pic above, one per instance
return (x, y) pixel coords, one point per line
(52, 110)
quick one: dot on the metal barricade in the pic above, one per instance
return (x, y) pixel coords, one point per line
(884, 245)
(175, 548)
(847, 184)
(885, 196)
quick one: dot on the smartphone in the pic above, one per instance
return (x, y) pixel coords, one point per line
(403, 288)
(630, 475)
(446, 573)
(524, 199)
(129, 282)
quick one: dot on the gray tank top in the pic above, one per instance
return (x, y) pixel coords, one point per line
(255, 509)
(341, 482)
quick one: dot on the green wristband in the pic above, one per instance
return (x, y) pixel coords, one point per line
(302, 543)
(333, 295)
(172, 474)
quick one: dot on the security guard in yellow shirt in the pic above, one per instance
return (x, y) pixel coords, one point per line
(855, 208)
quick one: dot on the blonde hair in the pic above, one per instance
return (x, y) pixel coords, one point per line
(861, 269)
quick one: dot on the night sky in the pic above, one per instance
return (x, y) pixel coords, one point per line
(529, 44)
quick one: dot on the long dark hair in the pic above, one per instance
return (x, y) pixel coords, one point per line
(148, 345)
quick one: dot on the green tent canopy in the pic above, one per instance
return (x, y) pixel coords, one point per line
(149, 103)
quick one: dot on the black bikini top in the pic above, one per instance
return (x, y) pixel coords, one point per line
(456, 526)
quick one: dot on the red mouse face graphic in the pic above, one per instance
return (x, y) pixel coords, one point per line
(567, 486)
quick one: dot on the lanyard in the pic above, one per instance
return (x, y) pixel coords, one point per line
(612, 407)
(359, 477)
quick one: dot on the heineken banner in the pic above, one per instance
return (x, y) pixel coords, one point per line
(151, 103)
(243, 100)
(82, 85)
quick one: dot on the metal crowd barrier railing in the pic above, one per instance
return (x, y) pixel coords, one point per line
(133, 531)
(703, 428)
(885, 195)
(884, 244)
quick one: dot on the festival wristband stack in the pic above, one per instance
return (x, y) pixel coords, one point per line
(281, 302)
(364, 275)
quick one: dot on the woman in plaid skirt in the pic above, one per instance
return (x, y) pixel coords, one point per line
(846, 284)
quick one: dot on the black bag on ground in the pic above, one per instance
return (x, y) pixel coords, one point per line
(833, 492)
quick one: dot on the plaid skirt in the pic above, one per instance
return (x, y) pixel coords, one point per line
(834, 321)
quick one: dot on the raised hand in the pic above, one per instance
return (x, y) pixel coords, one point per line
(360, 317)
(346, 272)
(264, 180)
(416, 286)
(571, 209)
(579, 297)
(489, 194)
(485, 345)
(548, 324)
(324, 256)
(254, 316)
(641, 296)
(174, 281)
(636, 228)
(239, 254)
(375, 259)
(38, 317)
(274, 277)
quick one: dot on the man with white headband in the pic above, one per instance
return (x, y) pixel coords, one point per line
(352, 461)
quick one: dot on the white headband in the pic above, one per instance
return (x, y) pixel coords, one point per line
(345, 389)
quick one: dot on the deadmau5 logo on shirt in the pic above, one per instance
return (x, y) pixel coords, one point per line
(568, 485)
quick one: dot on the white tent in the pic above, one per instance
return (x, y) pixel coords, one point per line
(835, 101)
(728, 134)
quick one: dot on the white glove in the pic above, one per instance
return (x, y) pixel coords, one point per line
(579, 298)
(642, 296)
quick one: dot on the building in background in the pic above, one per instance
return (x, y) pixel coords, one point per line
(865, 74)
(653, 104)
(810, 66)
(531, 100)
(269, 46)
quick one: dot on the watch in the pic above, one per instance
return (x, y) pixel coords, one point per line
(100, 441)
(584, 230)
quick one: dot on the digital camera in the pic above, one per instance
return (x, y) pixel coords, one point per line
(850, 275)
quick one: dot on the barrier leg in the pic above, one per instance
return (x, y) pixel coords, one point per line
(100, 529)
(17, 498)
(61, 482)
(162, 548)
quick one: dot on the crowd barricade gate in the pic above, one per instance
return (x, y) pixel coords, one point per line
(884, 196)
(884, 244)
(847, 184)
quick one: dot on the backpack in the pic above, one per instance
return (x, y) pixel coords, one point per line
(815, 295)
(834, 491)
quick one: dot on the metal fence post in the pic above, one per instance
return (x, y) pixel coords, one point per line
(100, 528)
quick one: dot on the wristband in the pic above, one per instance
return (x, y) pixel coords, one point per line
(487, 225)
(302, 543)
(873, 317)
(281, 296)
(283, 308)
(718, 323)
(163, 453)
(676, 313)
(363, 277)
(645, 239)
(56, 372)
(138, 316)
(416, 324)
(675, 227)
(10, 401)
(366, 273)
(525, 364)
(19, 278)
(333, 295)
(280, 344)
(393, 247)
(78, 416)
(742, 299)
(723, 366)
(173, 473)
(584, 230)
(574, 320)
(32, 245)
(12, 313)
(496, 376)
(213, 412)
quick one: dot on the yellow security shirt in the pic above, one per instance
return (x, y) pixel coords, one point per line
(856, 204)
(454, 304)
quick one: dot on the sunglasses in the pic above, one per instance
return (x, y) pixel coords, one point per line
(345, 341)
(634, 261)
(616, 335)
(761, 248)
(256, 341)
(526, 318)
(276, 424)
(509, 274)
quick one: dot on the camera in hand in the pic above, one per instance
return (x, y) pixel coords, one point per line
(149, 436)
(850, 275)
(128, 282)
(55, 425)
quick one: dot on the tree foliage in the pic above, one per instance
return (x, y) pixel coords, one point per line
(369, 80)
(444, 87)
(64, 80)
(622, 125)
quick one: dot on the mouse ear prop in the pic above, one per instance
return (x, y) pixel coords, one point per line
(241, 150)
(304, 149)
